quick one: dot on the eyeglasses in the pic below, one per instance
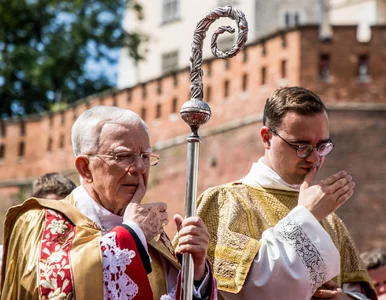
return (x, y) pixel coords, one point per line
(127, 159)
(303, 151)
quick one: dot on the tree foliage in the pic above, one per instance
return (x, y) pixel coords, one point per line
(45, 46)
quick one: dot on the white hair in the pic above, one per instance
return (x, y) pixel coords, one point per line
(86, 130)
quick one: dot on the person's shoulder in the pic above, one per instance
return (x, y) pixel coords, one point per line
(234, 185)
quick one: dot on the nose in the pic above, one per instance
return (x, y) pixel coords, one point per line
(313, 156)
(137, 167)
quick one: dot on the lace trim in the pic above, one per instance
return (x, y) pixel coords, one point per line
(293, 234)
(117, 285)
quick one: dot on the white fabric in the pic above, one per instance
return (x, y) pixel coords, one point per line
(107, 221)
(295, 257)
(119, 285)
(263, 176)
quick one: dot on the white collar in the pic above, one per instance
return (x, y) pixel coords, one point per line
(263, 176)
(93, 210)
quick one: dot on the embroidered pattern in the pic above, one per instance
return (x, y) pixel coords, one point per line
(293, 234)
(117, 285)
(56, 280)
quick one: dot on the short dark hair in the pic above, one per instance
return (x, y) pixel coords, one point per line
(52, 183)
(285, 99)
(374, 259)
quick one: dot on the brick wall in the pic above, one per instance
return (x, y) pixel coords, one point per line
(226, 154)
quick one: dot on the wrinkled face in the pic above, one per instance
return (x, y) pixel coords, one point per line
(378, 276)
(298, 130)
(113, 184)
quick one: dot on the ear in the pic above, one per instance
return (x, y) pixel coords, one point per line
(82, 165)
(266, 136)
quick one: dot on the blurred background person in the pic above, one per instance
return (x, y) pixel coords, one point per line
(53, 186)
(375, 262)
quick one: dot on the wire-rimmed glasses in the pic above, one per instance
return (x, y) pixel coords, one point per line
(303, 151)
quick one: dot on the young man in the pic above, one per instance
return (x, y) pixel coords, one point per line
(101, 242)
(273, 233)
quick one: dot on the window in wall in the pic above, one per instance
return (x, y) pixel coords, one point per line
(169, 61)
(49, 145)
(287, 20)
(158, 111)
(227, 64)
(159, 87)
(263, 75)
(363, 68)
(22, 128)
(129, 95)
(61, 141)
(2, 151)
(245, 55)
(283, 69)
(297, 19)
(144, 91)
(51, 120)
(174, 105)
(175, 80)
(209, 65)
(208, 93)
(170, 10)
(143, 113)
(283, 40)
(226, 88)
(114, 99)
(263, 49)
(324, 67)
(3, 129)
(21, 149)
(245, 82)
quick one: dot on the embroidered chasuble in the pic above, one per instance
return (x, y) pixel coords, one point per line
(52, 250)
(237, 215)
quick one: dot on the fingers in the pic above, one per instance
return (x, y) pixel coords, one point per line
(341, 188)
(332, 179)
(309, 178)
(325, 294)
(139, 192)
(178, 220)
(331, 285)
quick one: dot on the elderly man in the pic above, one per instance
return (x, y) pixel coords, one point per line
(273, 234)
(101, 242)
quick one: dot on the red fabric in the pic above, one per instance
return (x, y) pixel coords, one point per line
(54, 263)
(135, 270)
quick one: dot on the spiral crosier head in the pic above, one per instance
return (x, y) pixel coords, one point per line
(196, 112)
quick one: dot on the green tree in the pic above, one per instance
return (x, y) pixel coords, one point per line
(45, 45)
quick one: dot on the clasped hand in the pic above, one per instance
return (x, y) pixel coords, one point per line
(331, 290)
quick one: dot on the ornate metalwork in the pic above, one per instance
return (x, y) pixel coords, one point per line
(196, 112)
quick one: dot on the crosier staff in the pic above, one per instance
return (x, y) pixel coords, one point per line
(196, 112)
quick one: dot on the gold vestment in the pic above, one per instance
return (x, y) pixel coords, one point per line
(237, 215)
(20, 271)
